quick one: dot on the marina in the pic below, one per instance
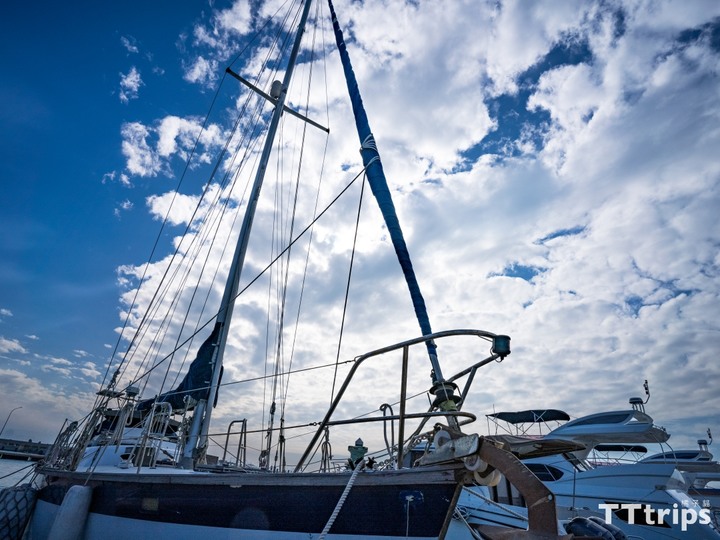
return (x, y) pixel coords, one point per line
(347, 333)
(22, 450)
(606, 474)
(138, 463)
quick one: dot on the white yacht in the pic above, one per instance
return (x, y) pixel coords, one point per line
(700, 471)
(646, 499)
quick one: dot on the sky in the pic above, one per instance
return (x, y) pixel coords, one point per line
(554, 164)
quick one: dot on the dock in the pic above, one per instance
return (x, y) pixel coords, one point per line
(22, 450)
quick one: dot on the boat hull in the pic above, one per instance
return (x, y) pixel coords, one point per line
(389, 505)
(655, 486)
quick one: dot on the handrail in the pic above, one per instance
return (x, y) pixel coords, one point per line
(155, 423)
(498, 351)
(462, 414)
(389, 445)
(242, 442)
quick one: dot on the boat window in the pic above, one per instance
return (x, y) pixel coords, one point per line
(679, 455)
(545, 473)
(580, 465)
(603, 419)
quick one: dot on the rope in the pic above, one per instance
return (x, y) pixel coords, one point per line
(347, 289)
(341, 501)
(370, 144)
(459, 516)
(19, 470)
(159, 294)
(258, 275)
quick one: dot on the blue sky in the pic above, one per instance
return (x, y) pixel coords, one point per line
(66, 223)
(61, 117)
(555, 168)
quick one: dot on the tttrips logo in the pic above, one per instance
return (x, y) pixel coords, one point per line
(643, 514)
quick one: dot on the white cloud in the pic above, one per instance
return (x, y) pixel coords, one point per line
(124, 206)
(182, 206)
(130, 84)
(217, 39)
(5, 312)
(202, 71)
(235, 19)
(10, 346)
(150, 150)
(90, 370)
(612, 201)
(56, 402)
(141, 159)
(60, 361)
(65, 372)
(173, 128)
(129, 43)
(122, 178)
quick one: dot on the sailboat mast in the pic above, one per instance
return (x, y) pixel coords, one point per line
(197, 437)
(379, 187)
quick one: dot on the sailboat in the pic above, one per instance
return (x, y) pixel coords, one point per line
(141, 465)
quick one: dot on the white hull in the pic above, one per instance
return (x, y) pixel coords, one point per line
(658, 486)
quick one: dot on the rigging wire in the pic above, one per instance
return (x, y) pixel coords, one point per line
(311, 63)
(156, 244)
(347, 286)
(280, 383)
(165, 284)
(243, 161)
(156, 302)
(231, 227)
(210, 236)
(191, 220)
(300, 235)
(187, 262)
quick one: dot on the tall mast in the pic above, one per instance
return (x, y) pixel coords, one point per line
(197, 437)
(444, 391)
(378, 184)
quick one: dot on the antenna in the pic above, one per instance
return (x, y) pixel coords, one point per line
(637, 403)
(703, 444)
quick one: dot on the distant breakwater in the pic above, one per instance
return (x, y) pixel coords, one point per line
(23, 450)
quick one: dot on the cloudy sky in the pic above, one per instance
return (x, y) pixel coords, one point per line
(554, 164)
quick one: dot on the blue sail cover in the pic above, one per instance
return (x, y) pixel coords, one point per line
(196, 382)
(379, 187)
